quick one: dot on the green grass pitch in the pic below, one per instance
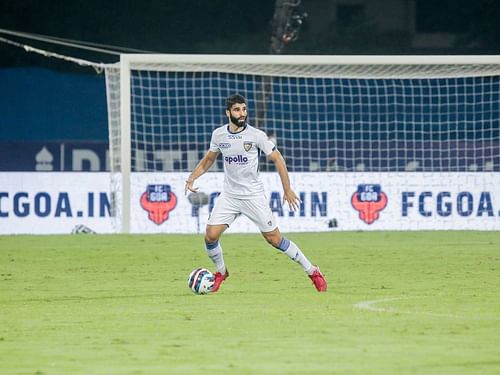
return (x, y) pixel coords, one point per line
(397, 303)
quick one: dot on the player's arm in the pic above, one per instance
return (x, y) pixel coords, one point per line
(288, 194)
(204, 165)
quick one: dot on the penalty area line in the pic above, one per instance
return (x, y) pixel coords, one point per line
(371, 306)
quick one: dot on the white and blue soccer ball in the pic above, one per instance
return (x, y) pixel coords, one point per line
(200, 281)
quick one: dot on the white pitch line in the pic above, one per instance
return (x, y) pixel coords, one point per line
(370, 306)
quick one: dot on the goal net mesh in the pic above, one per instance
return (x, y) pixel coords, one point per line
(430, 118)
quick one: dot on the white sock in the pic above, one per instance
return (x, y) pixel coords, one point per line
(214, 251)
(292, 250)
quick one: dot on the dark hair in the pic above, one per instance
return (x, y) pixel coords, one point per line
(233, 99)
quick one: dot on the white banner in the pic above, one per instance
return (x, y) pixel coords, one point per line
(39, 202)
(331, 201)
(43, 203)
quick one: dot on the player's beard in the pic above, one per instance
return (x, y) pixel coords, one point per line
(238, 121)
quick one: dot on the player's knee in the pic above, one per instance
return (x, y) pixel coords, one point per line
(214, 232)
(211, 238)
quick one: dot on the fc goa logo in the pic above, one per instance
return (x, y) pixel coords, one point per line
(369, 200)
(158, 200)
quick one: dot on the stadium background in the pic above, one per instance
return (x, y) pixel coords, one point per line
(399, 301)
(67, 104)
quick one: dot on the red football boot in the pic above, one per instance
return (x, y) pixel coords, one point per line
(218, 279)
(318, 280)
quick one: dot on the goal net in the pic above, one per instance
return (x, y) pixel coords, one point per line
(349, 114)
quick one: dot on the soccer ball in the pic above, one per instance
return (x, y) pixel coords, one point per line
(201, 280)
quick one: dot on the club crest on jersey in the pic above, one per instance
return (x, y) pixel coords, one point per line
(369, 200)
(247, 146)
(158, 201)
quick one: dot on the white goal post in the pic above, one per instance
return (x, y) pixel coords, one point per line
(328, 114)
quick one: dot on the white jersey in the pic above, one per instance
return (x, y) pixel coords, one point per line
(240, 152)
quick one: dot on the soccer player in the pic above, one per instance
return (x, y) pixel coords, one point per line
(240, 145)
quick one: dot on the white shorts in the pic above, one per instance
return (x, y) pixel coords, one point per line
(257, 209)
